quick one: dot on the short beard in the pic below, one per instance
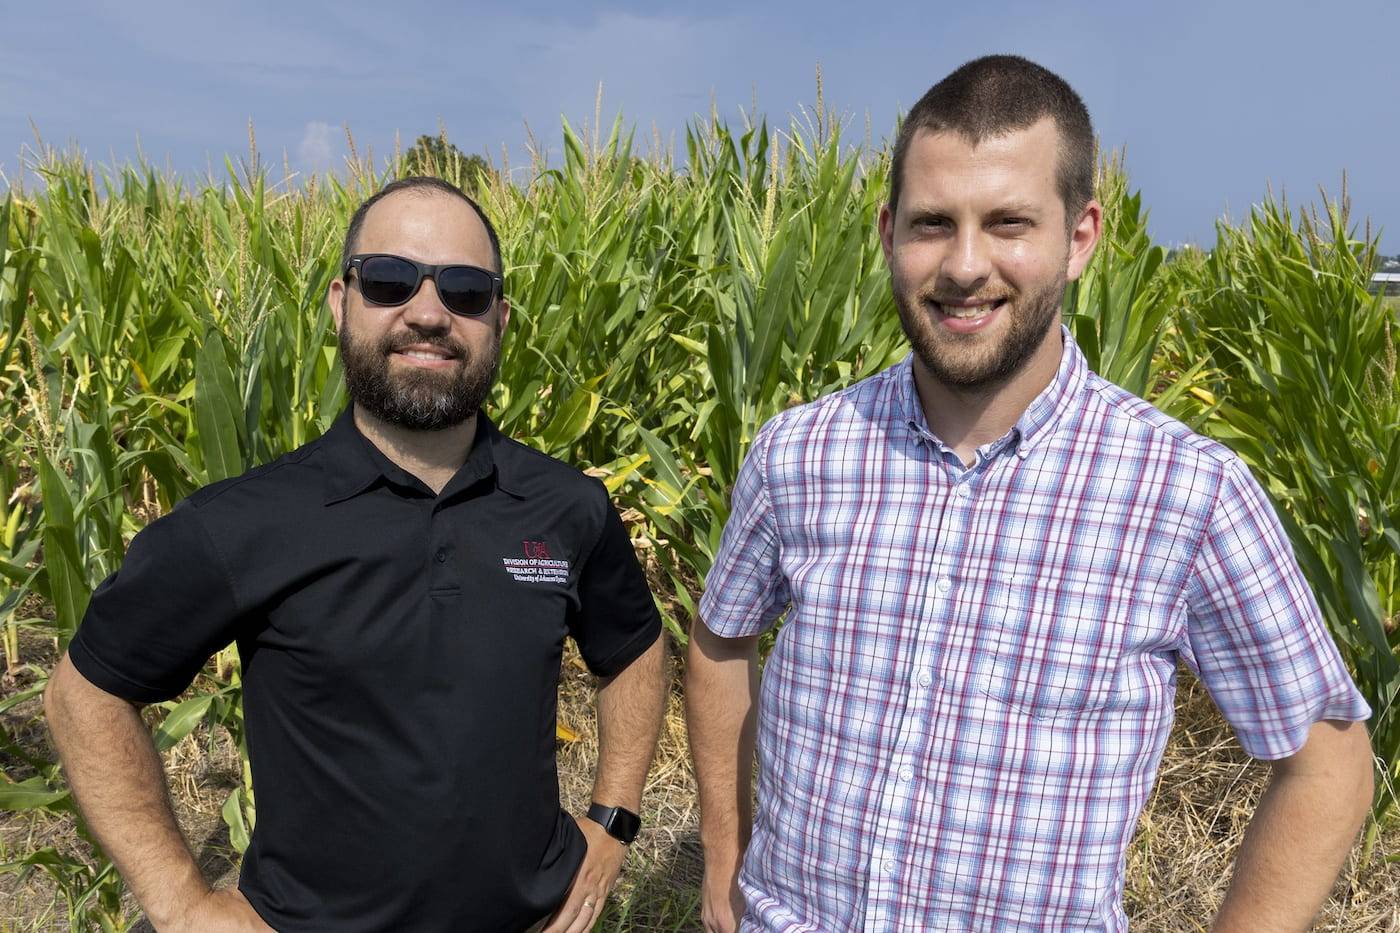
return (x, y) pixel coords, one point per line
(418, 400)
(1031, 317)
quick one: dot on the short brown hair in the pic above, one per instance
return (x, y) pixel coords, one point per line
(424, 184)
(999, 94)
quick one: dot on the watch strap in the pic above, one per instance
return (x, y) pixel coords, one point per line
(623, 825)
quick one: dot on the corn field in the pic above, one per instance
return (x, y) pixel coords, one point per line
(157, 335)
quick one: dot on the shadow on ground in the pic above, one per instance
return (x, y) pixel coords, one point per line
(660, 896)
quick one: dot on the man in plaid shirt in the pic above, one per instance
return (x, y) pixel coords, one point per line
(992, 561)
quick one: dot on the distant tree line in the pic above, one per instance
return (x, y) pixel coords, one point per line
(435, 155)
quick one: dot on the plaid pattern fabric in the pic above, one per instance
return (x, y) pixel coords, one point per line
(965, 709)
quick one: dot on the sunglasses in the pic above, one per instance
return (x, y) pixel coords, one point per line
(391, 280)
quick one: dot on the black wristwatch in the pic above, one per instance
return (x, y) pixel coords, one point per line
(621, 824)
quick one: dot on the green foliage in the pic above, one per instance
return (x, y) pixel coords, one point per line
(1306, 389)
(435, 155)
(1120, 308)
(157, 338)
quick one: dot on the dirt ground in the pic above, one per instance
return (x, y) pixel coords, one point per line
(1177, 870)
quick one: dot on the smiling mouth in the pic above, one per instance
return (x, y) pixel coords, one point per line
(968, 310)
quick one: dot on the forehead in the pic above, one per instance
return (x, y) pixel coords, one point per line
(430, 227)
(1020, 166)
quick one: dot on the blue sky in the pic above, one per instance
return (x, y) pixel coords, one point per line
(1213, 101)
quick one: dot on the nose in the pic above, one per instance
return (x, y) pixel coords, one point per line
(968, 265)
(425, 310)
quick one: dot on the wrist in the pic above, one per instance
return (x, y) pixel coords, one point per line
(620, 823)
(176, 906)
(724, 854)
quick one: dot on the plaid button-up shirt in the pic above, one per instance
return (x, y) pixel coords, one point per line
(964, 711)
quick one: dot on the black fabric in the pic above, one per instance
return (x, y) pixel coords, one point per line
(401, 657)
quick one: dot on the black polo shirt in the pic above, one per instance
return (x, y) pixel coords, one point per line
(401, 655)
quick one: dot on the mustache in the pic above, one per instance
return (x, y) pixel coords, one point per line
(944, 297)
(391, 343)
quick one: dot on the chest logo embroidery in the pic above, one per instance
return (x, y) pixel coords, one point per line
(536, 566)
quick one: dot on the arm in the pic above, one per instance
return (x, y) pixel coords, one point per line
(721, 689)
(117, 780)
(1301, 832)
(631, 704)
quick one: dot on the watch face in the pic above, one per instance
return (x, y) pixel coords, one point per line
(625, 825)
(622, 825)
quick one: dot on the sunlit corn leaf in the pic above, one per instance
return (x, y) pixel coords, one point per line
(67, 583)
(217, 411)
(181, 721)
(232, 814)
(31, 794)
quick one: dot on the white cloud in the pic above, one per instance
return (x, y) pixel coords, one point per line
(316, 151)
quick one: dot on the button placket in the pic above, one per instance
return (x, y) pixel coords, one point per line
(879, 890)
(441, 570)
(900, 777)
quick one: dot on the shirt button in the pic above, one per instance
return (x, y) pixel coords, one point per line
(906, 774)
(887, 866)
(442, 555)
(944, 585)
(925, 679)
(963, 491)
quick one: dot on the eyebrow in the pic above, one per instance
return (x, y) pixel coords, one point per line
(1016, 208)
(917, 212)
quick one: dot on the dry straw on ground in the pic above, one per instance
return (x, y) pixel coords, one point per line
(1177, 868)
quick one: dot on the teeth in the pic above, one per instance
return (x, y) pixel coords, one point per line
(421, 355)
(968, 313)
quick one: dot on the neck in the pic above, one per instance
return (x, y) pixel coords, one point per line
(432, 456)
(966, 418)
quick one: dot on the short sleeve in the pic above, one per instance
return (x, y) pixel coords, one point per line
(745, 590)
(1256, 636)
(616, 619)
(153, 624)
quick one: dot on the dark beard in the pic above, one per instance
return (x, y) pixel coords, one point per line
(419, 401)
(1031, 317)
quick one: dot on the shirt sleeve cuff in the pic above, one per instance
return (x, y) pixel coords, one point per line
(619, 659)
(102, 676)
(739, 621)
(1290, 739)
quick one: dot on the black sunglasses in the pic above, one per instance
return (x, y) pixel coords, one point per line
(391, 280)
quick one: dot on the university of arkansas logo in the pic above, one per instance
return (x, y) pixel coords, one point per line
(536, 566)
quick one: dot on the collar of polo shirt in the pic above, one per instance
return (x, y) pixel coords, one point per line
(359, 464)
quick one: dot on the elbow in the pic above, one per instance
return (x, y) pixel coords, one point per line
(56, 703)
(53, 691)
(1364, 771)
(1360, 783)
(693, 653)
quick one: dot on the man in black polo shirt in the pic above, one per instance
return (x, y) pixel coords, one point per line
(400, 590)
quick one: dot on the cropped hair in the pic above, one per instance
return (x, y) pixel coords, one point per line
(996, 95)
(426, 184)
